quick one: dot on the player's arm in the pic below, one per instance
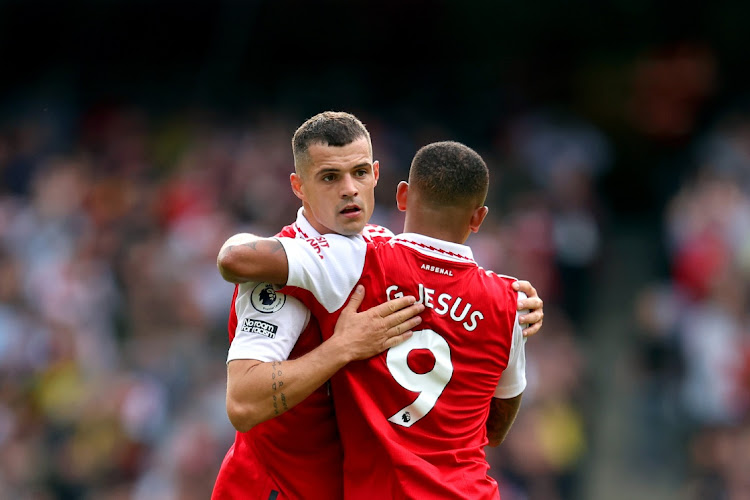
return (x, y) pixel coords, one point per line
(535, 317)
(507, 401)
(246, 257)
(502, 415)
(328, 266)
(258, 391)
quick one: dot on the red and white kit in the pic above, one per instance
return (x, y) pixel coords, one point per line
(412, 420)
(298, 453)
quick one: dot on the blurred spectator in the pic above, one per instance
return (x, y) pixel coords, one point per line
(670, 84)
(703, 328)
(560, 236)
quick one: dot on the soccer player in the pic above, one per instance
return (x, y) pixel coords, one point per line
(414, 419)
(287, 443)
(282, 449)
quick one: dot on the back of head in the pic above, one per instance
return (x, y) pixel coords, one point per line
(330, 128)
(449, 174)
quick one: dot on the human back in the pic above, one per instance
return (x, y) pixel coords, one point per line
(419, 409)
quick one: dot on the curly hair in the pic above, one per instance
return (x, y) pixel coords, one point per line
(449, 173)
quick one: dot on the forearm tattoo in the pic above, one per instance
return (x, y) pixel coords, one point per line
(279, 398)
(270, 246)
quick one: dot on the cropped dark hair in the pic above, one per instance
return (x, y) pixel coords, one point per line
(330, 128)
(449, 174)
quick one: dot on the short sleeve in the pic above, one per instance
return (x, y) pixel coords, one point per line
(513, 379)
(328, 266)
(268, 323)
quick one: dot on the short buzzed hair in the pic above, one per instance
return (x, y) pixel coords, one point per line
(330, 128)
(449, 173)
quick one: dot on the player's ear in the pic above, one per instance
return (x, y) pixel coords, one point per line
(376, 171)
(402, 192)
(477, 218)
(296, 181)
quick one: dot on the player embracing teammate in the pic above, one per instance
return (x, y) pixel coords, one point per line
(415, 418)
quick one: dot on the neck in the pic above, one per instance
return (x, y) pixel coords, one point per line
(446, 223)
(320, 228)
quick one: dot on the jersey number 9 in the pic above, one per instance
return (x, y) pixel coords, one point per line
(429, 385)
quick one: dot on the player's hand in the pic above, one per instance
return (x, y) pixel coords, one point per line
(371, 332)
(535, 305)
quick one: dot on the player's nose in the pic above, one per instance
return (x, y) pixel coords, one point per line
(349, 187)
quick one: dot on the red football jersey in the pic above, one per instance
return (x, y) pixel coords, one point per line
(296, 455)
(412, 420)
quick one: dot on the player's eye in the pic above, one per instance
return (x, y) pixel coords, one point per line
(362, 172)
(328, 178)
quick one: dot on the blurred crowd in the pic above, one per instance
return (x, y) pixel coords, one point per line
(113, 317)
(695, 342)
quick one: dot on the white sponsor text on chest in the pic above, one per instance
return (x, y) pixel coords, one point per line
(443, 303)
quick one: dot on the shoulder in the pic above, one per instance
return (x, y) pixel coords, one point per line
(289, 231)
(503, 279)
(499, 282)
(376, 233)
(325, 250)
(348, 248)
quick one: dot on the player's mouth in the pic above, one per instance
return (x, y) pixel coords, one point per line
(351, 211)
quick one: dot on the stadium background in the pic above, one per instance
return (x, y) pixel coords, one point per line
(136, 136)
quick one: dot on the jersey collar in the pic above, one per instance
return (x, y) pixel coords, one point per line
(304, 227)
(435, 247)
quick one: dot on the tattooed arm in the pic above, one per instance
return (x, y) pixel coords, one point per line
(246, 257)
(502, 414)
(258, 391)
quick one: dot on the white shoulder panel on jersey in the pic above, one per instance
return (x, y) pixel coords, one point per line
(268, 323)
(373, 231)
(328, 266)
(513, 379)
(493, 273)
